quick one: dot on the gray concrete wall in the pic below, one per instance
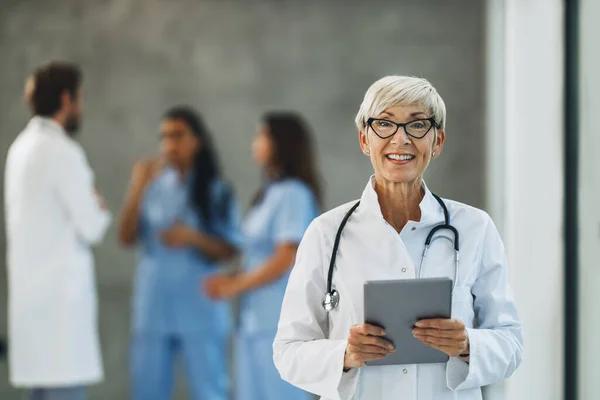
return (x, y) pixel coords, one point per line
(233, 60)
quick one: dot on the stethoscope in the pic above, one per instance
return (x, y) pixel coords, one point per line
(331, 299)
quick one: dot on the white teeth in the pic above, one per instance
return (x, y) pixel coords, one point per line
(403, 157)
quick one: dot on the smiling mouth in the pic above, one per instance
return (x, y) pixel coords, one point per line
(400, 157)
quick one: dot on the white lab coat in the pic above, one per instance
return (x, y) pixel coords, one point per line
(310, 344)
(52, 219)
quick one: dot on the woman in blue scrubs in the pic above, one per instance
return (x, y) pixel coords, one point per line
(185, 219)
(280, 213)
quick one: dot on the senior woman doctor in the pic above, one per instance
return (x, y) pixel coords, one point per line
(401, 128)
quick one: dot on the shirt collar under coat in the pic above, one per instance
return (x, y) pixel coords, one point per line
(431, 212)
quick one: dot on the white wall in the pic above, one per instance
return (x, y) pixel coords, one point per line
(589, 196)
(525, 172)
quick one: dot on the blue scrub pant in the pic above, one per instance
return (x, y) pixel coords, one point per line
(204, 359)
(64, 393)
(256, 375)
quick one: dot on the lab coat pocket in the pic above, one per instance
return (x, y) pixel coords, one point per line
(462, 305)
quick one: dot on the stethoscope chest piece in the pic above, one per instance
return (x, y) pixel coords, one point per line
(330, 300)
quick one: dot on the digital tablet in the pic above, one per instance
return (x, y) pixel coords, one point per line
(397, 305)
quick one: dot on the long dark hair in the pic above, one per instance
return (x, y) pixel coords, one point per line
(205, 168)
(293, 151)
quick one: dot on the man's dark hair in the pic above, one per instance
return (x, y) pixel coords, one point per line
(51, 81)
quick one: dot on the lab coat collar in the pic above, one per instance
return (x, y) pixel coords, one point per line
(48, 124)
(431, 212)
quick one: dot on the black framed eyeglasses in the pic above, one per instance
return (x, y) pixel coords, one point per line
(417, 128)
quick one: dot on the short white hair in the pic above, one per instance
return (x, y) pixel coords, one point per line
(393, 91)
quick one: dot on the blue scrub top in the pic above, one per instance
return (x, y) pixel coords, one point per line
(287, 208)
(168, 298)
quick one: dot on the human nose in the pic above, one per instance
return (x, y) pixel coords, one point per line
(169, 148)
(401, 137)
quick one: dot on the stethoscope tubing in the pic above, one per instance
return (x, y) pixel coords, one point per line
(331, 298)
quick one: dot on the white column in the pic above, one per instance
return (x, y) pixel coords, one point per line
(589, 193)
(495, 140)
(525, 172)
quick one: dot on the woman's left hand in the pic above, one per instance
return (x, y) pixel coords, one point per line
(178, 235)
(222, 287)
(447, 335)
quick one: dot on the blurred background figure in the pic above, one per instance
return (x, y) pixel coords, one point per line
(27, 96)
(185, 219)
(53, 216)
(281, 211)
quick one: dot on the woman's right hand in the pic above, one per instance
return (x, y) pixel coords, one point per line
(143, 172)
(366, 344)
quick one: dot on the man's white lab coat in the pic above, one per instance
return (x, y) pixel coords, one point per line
(310, 343)
(52, 218)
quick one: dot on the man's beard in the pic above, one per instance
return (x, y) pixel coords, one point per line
(72, 125)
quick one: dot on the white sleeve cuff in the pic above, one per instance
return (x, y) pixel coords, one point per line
(348, 380)
(458, 372)
(317, 367)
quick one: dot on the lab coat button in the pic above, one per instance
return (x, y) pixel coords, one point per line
(403, 269)
(414, 228)
(405, 371)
